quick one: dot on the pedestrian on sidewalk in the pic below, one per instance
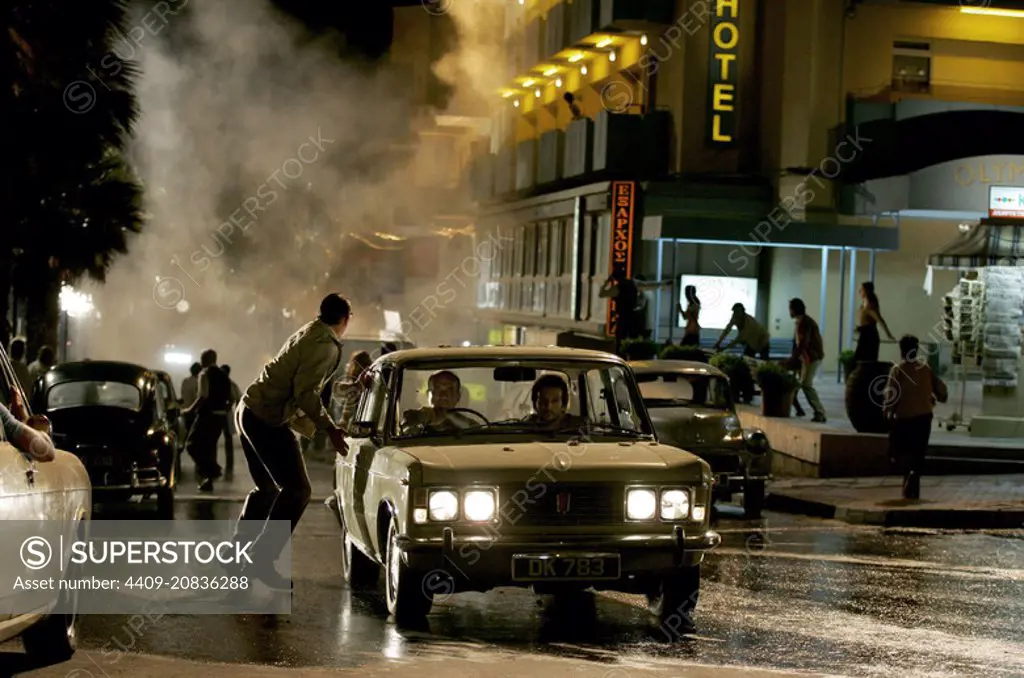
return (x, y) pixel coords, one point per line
(911, 392)
(287, 396)
(809, 351)
(211, 409)
(691, 314)
(869, 317)
(45, 359)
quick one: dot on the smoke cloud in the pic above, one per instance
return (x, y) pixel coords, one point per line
(268, 162)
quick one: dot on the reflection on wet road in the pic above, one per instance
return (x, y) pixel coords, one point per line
(784, 593)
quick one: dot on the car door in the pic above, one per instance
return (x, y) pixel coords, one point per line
(25, 492)
(356, 478)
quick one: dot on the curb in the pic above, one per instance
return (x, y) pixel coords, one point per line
(956, 519)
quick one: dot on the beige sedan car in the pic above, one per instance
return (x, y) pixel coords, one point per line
(448, 487)
(40, 490)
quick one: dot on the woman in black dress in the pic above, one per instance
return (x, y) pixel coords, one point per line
(869, 317)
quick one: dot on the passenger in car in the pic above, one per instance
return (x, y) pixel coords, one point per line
(25, 438)
(550, 395)
(445, 389)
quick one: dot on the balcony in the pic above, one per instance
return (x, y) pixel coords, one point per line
(551, 157)
(635, 14)
(579, 148)
(632, 145)
(526, 165)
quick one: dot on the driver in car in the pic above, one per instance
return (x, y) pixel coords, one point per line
(445, 389)
(550, 396)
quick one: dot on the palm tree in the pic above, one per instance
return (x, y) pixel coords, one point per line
(69, 106)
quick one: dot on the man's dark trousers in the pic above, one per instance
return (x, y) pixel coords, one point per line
(282, 483)
(202, 443)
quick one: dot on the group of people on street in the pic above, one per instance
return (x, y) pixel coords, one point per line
(209, 397)
(28, 373)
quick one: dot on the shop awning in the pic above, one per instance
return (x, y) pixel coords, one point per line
(983, 245)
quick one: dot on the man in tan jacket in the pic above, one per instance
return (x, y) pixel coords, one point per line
(288, 395)
(909, 398)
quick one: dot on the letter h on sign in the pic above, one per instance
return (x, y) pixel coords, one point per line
(723, 73)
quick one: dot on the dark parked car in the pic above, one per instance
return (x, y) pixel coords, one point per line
(113, 416)
(175, 418)
(691, 407)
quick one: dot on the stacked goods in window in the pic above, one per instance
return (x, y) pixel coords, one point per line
(1004, 309)
(964, 314)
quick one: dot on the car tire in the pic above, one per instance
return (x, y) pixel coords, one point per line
(673, 599)
(753, 499)
(360, 572)
(165, 503)
(54, 638)
(408, 600)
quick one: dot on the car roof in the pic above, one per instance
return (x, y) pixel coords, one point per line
(499, 352)
(675, 367)
(109, 370)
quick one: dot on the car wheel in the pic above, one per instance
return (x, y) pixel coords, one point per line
(753, 499)
(673, 600)
(406, 597)
(165, 503)
(54, 638)
(359, 571)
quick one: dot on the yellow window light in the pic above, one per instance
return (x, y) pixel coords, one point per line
(991, 11)
(611, 55)
(558, 82)
(604, 43)
(583, 69)
(551, 71)
(529, 82)
(576, 57)
(643, 39)
(516, 103)
(536, 92)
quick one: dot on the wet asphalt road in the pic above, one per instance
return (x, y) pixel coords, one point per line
(785, 593)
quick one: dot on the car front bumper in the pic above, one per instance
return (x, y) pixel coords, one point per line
(113, 484)
(479, 563)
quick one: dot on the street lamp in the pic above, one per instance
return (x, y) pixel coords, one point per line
(73, 304)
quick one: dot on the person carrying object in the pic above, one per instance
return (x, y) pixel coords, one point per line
(287, 397)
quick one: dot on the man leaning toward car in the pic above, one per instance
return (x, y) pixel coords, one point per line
(286, 396)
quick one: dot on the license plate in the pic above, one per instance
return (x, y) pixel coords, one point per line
(565, 567)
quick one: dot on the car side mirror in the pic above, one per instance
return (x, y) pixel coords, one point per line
(41, 423)
(363, 429)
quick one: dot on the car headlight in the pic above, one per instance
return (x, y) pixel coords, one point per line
(479, 505)
(641, 504)
(675, 504)
(758, 442)
(443, 505)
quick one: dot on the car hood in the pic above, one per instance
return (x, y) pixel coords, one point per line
(695, 427)
(587, 462)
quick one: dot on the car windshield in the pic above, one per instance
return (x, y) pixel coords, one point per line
(521, 397)
(684, 390)
(94, 394)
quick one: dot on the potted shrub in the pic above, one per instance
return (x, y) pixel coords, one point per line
(673, 352)
(737, 370)
(847, 363)
(778, 388)
(638, 349)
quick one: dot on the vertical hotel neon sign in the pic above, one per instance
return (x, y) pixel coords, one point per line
(723, 73)
(621, 259)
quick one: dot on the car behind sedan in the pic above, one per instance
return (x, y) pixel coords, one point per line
(690, 404)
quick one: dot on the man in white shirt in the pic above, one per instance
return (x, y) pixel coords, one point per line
(43, 362)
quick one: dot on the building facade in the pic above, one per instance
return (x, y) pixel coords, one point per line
(738, 145)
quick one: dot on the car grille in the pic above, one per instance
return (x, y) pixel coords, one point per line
(587, 505)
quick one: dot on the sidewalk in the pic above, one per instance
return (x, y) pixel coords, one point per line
(953, 502)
